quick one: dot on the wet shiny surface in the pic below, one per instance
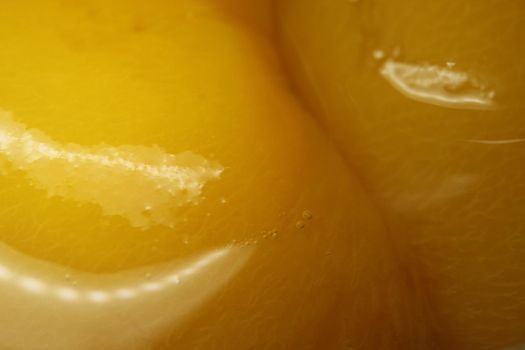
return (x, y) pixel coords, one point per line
(162, 187)
(440, 86)
(425, 100)
(50, 306)
(144, 185)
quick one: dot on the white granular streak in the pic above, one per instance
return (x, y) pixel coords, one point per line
(437, 85)
(144, 185)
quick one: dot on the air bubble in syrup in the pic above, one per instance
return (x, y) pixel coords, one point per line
(307, 215)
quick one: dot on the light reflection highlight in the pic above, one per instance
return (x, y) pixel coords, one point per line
(67, 294)
(152, 287)
(4, 272)
(103, 175)
(125, 293)
(173, 279)
(127, 309)
(32, 285)
(440, 86)
(497, 142)
(99, 296)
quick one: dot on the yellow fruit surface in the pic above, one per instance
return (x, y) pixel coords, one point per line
(225, 174)
(163, 188)
(425, 100)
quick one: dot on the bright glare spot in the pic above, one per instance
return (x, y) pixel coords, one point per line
(173, 279)
(4, 272)
(32, 285)
(98, 296)
(188, 271)
(160, 179)
(498, 142)
(203, 262)
(209, 259)
(125, 293)
(219, 253)
(378, 54)
(437, 85)
(151, 287)
(67, 294)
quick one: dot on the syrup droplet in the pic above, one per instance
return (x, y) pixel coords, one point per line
(307, 215)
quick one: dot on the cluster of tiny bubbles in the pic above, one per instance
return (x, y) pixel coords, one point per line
(250, 242)
(300, 224)
(244, 243)
(273, 233)
(306, 216)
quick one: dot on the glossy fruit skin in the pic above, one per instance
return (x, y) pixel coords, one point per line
(450, 181)
(179, 77)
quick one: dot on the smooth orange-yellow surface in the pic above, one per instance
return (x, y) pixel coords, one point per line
(163, 188)
(222, 174)
(425, 100)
